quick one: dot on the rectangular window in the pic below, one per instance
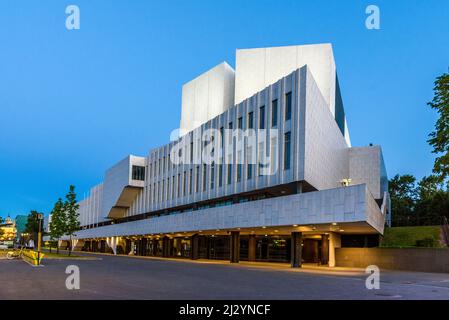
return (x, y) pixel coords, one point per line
(191, 152)
(221, 137)
(250, 121)
(138, 173)
(212, 175)
(262, 117)
(184, 184)
(190, 181)
(204, 177)
(230, 125)
(220, 175)
(288, 106)
(229, 173)
(240, 123)
(173, 187)
(179, 185)
(197, 180)
(274, 113)
(287, 146)
(168, 188)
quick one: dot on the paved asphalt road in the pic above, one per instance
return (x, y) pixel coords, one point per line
(133, 278)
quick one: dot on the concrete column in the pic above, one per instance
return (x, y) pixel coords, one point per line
(324, 249)
(155, 243)
(296, 247)
(334, 242)
(165, 247)
(235, 247)
(194, 247)
(252, 247)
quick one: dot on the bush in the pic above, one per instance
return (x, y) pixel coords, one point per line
(426, 242)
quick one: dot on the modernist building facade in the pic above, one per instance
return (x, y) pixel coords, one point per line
(263, 170)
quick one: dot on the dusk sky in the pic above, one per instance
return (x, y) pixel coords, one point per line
(73, 103)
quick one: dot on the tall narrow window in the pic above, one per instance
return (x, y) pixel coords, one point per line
(221, 137)
(212, 175)
(173, 183)
(184, 184)
(204, 177)
(179, 185)
(229, 173)
(240, 123)
(288, 106)
(191, 152)
(274, 113)
(220, 175)
(239, 166)
(262, 117)
(250, 120)
(190, 181)
(197, 180)
(287, 147)
(168, 188)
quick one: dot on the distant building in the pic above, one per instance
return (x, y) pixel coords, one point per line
(9, 230)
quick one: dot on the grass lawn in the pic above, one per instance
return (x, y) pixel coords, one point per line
(65, 255)
(412, 237)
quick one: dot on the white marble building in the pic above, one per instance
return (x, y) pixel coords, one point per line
(324, 193)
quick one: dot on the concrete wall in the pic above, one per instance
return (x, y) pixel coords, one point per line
(325, 149)
(259, 67)
(366, 165)
(207, 96)
(412, 259)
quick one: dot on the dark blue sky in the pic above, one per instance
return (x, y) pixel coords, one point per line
(72, 103)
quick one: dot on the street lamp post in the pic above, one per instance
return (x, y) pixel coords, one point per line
(40, 218)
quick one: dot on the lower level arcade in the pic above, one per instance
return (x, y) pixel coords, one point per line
(295, 248)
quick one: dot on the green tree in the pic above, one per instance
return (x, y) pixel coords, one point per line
(72, 223)
(439, 138)
(32, 225)
(403, 196)
(57, 223)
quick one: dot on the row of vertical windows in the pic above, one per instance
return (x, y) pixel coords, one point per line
(160, 165)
